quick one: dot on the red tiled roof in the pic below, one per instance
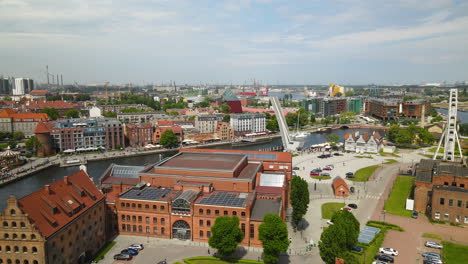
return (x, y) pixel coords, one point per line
(52, 207)
(39, 92)
(7, 113)
(165, 123)
(268, 189)
(280, 156)
(175, 129)
(365, 136)
(347, 135)
(41, 128)
(339, 261)
(36, 116)
(377, 136)
(339, 181)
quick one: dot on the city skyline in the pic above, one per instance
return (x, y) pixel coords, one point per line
(275, 41)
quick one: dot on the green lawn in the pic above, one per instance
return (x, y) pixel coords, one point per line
(321, 177)
(454, 253)
(434, 236)
(213, 260)
(328, 209)
(363, 157)
(363, 174)
(390, 161)
(396, 203)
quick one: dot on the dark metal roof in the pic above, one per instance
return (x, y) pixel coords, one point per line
(263, 207)
(433, 168)
(123, 171)
(148, 194)
(225, 199)
(206, 161)
(449, 188)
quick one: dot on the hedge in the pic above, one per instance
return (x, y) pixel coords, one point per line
(241, 261)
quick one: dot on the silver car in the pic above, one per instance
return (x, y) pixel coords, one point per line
(432, 244)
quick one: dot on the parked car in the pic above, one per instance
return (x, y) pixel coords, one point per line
(328, 168)
(352, 205)
(378, 262)
(349, 175)
(384, 258)
(347, 208)
(336, 154)
(296, 168)
(162, 262)
(432, 254)
(131, 252)
(325, 174)
(432, 244)
(414, 214)
(321, 156)
(356, 248)
(122, 257)
(389, 251)
(429, 260)
(314, 173)
(136, 246)
(329, 222)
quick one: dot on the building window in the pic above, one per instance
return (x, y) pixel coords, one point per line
(243, 228)
(15, 236)
(5, 224)
(22, 225)
(450, 202)
(129, 228)
(133, 205)
(7, 249)
(128, 218)
(140, 228)
(208, 233)
(23, 236)
(201, 233)
(123, 218)
(442, 201)
(201, 222)
(155, 207)
(208, 211)
(140, 219)
(148, 230)
(459, 203)
(466, 219)
(161, 208)
(123, 227)
(127, 205)
(147, 219)
(208, 223)
(34, 250)
(200, 211)
(242, 214)
(12, 212)
(6, 236)
(163, 221)
(252, 231)
(155, 220)
(234, 212)
(25, 250)
(446, 216)
(13, 224)
(155, 230)
(134, 228)
(446, 183)
(16, 249)
(462, 185)
(457, 219)
(139, 206)
(33, 236)
(122, 205)
(163, 231)
(216, 212)
(225, 212)
(454, 184)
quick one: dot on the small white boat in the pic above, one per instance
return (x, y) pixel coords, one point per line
(300, 135)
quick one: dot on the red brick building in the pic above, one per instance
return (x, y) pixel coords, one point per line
(340, 188)
(182, 196)
(160, 129)
(442, 191)
(139, 135)
(58, 224)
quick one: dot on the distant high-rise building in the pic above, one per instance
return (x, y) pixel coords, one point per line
(23, 86)
(5, 86)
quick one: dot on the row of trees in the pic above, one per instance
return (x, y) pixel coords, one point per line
(410, 135)
(273, 232)
(54, 114)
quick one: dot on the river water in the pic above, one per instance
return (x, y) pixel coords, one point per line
(95, 168)
(463, 116)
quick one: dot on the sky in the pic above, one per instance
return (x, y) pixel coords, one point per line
(236, 41)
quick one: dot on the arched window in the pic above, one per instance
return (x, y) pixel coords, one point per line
(5, 224)
(140, 228)
(200, 211)
(26, 261)
(13, 224)
(123, 217)
(208, 211)
(15, 236)
(12, 212)
(17, 261)
(35, 262)
(9, 261)
(34, 250)
(23, 236)
(7, 249)
(155, 220)
(33, 236)
(234, 212)
(25, 250)
(22, 225)
(133, 205)
(122, 205)
(127, 205)
(16, 248)
(134, 218)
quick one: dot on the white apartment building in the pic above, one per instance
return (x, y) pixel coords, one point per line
(208, 123)
(23, 86)
(248, 123)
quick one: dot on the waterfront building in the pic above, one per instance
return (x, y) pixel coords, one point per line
(391, 109)
(416, 108)
(159, 131)
(248, 123)
(88, 134)
(361, 143)
(139, 135)
(442, 191)
(354, 105)
(207, 123)
(182, 196)
(62, 223)
(323, 107)
(37, 106)
(11, 122)
(224, 131)
(46, 146)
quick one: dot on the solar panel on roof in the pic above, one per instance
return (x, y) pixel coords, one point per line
(266, 156)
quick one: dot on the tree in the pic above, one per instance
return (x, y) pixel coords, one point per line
(6, 98)
(464, 129)
(346, 221)
(168, 139)
(225, 108)
(303, 116)
(291, 119)
(333, 139)
(226, 235)
(272, 124)
(437, 119)
(433, 112)
(312, 118)
(72, 113)
(425, 137)
(330, 245)
(110, 114)
(226, 118)
(18, 135)
(32, 143)
(393, 132)
(273, 233)
(299, 199)
(51, 112)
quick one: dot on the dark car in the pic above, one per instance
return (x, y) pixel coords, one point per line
(349, 175)
(296, 168)
(352, 205)
(356, 248)
(122, 257)
(336, 154)
(321, 156)
(314, 173)
(384, 258)
(129, 252)
(325, 174)
(414, 214)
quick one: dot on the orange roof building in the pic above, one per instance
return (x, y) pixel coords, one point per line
(61, 223)
(340, 187)
(10, 121)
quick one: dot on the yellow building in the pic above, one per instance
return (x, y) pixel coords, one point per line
(333, 90)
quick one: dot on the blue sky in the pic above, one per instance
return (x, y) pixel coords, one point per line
(235, 41)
